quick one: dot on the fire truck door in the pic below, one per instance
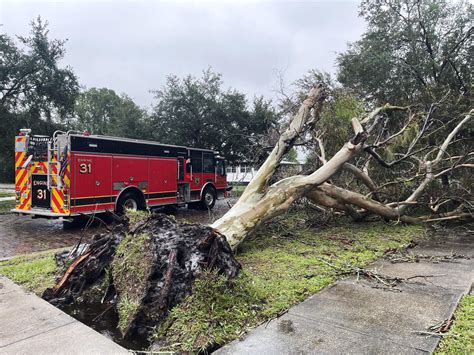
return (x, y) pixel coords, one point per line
(103, 177)
(180, 169)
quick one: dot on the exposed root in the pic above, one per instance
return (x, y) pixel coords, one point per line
(151, 265)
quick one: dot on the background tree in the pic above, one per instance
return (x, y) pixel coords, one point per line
(418, 53)
(412, 51)
(292, 156)
(102, 111)
(198, 112)
(35, 92)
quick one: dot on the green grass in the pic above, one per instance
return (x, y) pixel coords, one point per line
(237, 190)
(130, 269)
(6, 194)
(216, 312)
(6, 206)
(35, 272)
(460, 338)
(283, 264)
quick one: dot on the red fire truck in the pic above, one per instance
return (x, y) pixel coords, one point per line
(72, 174)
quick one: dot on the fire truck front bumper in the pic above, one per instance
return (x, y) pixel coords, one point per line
(41, 213)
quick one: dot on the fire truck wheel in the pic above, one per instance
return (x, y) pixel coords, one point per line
(129, 201)
(208, 199)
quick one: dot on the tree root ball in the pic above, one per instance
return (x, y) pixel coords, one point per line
(145, 266)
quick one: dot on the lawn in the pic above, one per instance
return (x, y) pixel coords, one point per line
(6, 206)
(237, 190)
(6, 194)
(286, 261)
(460, 338)
(35, 272)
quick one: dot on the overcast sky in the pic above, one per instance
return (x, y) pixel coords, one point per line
(132, 46)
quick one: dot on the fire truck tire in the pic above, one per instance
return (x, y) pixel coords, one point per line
(129, 200)
(208, 199)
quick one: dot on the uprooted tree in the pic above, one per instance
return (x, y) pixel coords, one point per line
(150, 265)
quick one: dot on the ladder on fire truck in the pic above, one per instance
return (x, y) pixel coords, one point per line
(53, 151)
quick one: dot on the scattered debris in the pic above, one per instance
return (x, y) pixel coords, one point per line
(441, 326)
(387, 282)
(381, 280)
(409, 257)
(438, 329)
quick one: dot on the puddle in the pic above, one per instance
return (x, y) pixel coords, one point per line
(103, 318)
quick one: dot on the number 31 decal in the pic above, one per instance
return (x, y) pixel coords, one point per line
(85, 168)
(41, 194)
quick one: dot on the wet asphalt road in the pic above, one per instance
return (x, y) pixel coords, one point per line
(23, 234)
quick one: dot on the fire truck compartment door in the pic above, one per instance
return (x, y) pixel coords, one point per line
(92, 180)
(163, 175)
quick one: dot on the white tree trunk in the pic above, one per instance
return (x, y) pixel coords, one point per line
(259, 202)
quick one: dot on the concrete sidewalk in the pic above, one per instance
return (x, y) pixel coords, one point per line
(30, 325)
(361, 317)
(7, 187)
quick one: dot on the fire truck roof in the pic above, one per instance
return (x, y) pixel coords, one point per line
(118, 145)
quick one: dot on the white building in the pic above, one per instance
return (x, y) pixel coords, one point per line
(242, 174)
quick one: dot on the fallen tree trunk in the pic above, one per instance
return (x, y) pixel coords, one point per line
(243, 218)
(368, 204)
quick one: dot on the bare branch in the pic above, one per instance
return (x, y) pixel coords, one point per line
(429, 164)
(371, 116)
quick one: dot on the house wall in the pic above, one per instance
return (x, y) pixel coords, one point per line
(242, 174)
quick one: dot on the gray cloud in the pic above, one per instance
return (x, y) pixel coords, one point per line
(131, 47)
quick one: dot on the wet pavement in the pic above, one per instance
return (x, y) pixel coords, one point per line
(23, 234)
(30, 325)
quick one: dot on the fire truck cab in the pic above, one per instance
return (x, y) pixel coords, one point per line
(72, 174)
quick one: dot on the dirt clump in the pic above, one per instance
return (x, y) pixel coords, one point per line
(143, 268)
